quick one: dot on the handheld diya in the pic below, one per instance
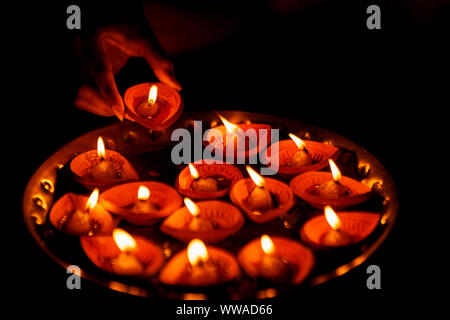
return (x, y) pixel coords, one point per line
(102, 168)
(211, 221)
(238, 141)
(123, 254)
(81, 215)
(141, 203)
(262, 199)
(296, 156)
(277, 259)
(199, 266)
(321, 188)
(207, 179)
(339, 230)
(153, 105)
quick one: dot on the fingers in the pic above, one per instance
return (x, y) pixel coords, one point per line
(164, 71)
(90, 99)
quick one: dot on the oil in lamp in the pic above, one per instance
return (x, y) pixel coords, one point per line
(210, 221)
(149, 108)
(302, 157)
(332, 189)
(277, 259)
(336, 236)
(207, 179)
(262, 199)
(199, 265)
(141, 203)
(155, 106)
(123, 254)
(104, 169)
(80, 215)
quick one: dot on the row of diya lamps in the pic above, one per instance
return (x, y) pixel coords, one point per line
(208, 220)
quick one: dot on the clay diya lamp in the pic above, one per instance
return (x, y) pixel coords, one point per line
(332, 230)
(210, 221)
(277, 259)
(102, 168)
(321, 188)
(199, 266)
(207, 179)
(153, 105)
(262, 199)
(238, 141)
(81, 215)
(123, 254)
(141, 203)
(296, 156)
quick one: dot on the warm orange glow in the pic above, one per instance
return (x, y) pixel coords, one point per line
(124, 240)
(152, 94)
(257, 179)
(299, 142)
(92, 201)
(143, 193)
(267, 245)
(197, 252)
(101, 148)
(231, 128)
(192, 207)
(194, 172)
(334, 171)
(332, 218)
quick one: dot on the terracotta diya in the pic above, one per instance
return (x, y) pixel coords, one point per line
(277, 259)
(242, 141)
(321, 188)
(339, 230)
(200, 265)
(207, 179)
(123, 254)
(296, 156)
(154, 105)
(262, 199)
(210, 221)
(81, 215)
(141, 203)
(102, 168)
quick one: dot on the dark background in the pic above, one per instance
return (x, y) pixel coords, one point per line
(384, 89)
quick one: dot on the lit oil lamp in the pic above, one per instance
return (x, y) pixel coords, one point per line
(325, 188)
(123, 254)
(207, 179)
(262, 199)
(141, 203)
(154, 105)
(102, 168)
(295, 156)
(277, 259)
(211, 221)
(79, 215)
(240, 140)
(333, 230)
(199, 265)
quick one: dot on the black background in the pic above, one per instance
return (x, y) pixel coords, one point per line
(384, 89)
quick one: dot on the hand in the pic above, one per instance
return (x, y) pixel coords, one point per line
(104, 53)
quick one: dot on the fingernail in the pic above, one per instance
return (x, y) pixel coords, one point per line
(119, 114)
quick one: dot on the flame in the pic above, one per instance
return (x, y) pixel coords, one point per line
(194, 172)
(143, 193)
(92, 201)
(231, 128)
(197, 252)
(101, 148)
(257, 179)
(267, 245)
(332, 218)
(334, 171)
(152, 94)
(192, 207)
(124, 240)
(299, 142)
